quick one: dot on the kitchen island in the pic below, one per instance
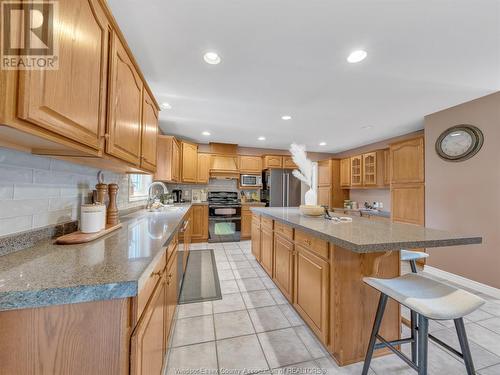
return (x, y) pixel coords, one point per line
(103, 307)
(319, 265)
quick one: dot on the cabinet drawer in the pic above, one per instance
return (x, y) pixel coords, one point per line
(314, 244)
(283, 229)
(147, 289)
(266, 222)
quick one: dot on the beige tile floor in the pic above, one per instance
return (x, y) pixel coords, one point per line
(254, 329)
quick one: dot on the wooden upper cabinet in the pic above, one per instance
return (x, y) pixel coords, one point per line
(189, 162)
(387, 167)
(369, 167)
(147, 342)
(167, 159)
(288, 163)
(272, 161)
(149, 133)
(203, 173)
(324, 173)
(345, 172)
(356, 170)
(250, 164)
(407, 161)
(71, 101)
(125, 102)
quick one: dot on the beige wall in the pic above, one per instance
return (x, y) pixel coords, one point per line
(465, 196)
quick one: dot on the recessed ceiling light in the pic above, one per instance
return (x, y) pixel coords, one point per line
(366, 127)
(261, 138)
(286, 117)
(206, 133)
(212, 58)
(166, 105)
(357, 56)
(322, 143)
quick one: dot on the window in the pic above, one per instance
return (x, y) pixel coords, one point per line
(138, 186)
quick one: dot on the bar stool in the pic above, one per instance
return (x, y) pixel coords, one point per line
(429, 299)
(412, 257)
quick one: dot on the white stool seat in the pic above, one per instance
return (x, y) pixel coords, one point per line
(408, 255)
(427, 297)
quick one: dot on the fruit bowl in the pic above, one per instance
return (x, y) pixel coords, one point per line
(311, 210)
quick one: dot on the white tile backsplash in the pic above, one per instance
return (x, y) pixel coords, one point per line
(38, 191)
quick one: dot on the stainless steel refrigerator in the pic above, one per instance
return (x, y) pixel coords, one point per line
(281, 188)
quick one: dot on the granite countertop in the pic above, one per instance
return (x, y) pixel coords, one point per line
(112, 267)
(363, 235)
(255, 203)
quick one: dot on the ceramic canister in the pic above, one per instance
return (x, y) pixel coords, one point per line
(93, 218)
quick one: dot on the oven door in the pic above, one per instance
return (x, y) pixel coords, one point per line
(224, 224)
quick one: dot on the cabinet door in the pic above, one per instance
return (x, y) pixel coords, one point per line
(288, 162)
(387, 167)
(71, 101)
(407, 161)
(325, 196)
(324, 173)
(200, 222)
(203, 168)
(345, 172)
(189, 162)
(250, 164)
(311, 293)
(124, 106)
(369, 168)
(283, 265)
(266, 250)
(149, 133)
(171, 295)
(176, 159)
(273, 161)
(256, 237)
(246, 223)
(356, 171)
(148, 342)
(407, 202)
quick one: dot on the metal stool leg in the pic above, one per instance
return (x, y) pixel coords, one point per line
(413, 327)
(413, 266)
(423, 337)
(376, 327)
(464, 345)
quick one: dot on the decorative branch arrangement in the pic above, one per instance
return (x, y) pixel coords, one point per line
(305, 172)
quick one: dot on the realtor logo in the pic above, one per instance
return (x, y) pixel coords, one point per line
(27, 35)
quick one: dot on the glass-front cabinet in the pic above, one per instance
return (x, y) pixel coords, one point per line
(370, 168)
(356, 172)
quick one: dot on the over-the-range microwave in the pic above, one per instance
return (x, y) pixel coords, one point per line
(249, 180)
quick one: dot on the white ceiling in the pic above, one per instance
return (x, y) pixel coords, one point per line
(289, 57)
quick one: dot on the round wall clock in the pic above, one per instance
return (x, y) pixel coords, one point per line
(459, 143)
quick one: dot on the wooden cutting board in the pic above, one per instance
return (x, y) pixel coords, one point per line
(79, 237)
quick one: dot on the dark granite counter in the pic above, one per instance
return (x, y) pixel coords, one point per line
(363, 235)
(114, 266)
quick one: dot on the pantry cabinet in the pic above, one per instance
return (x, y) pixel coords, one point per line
(189, 162)
(125, 103)
(149, 133)
(203, 168)
(283, 265)
(250, 164)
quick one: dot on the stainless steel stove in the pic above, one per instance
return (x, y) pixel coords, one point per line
(224, 216)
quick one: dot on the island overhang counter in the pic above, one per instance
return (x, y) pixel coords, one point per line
(319, 265)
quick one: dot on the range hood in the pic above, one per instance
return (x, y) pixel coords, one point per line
(224, 161)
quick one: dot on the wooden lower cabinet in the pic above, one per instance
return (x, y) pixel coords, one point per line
(283, 265)
(266, 249)
(256, 237)
(148, 340)
(312, 291)
(246, 223)
(171, 292)
(199, 229)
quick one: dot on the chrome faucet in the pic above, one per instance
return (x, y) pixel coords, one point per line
(152, 198)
